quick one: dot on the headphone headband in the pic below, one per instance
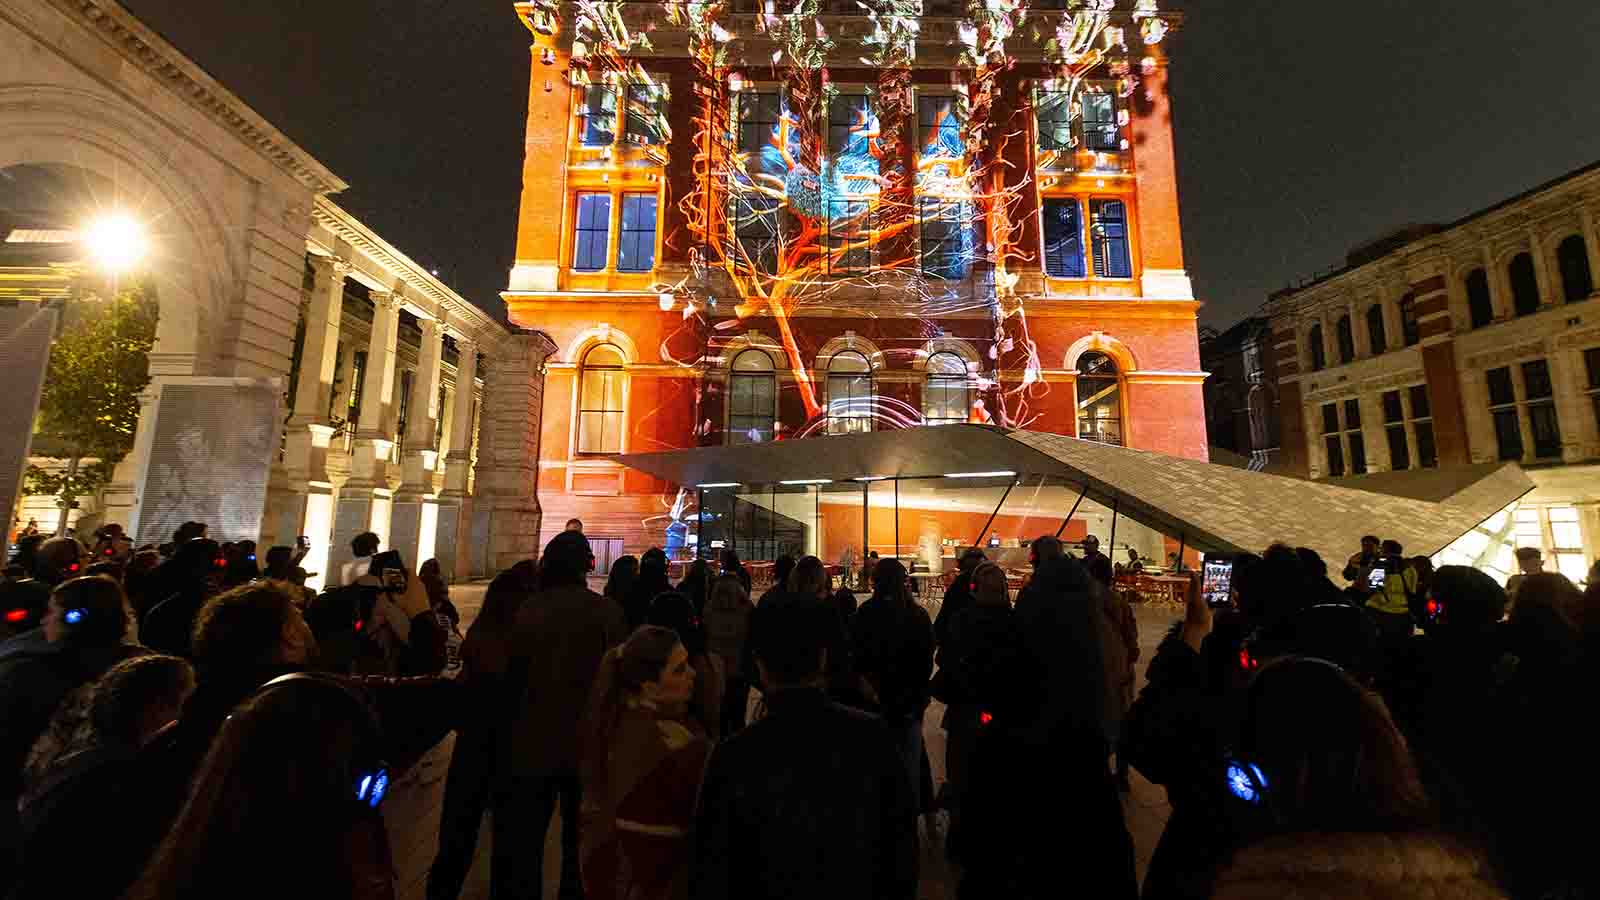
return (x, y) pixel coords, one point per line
(371, 772)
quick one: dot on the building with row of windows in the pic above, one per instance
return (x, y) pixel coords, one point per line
(900, 323)
(1473, 342)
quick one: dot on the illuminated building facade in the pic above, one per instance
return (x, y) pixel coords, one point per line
(753, 223)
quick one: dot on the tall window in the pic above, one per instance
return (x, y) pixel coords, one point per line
(1331, 439)
(849, 237)
(1376, 334)
(1503, 409)
(1053, 112)
(1100, 131)
(439, 422)
(593, 232)
(946, 240)
(758, 119)
(1354, 438)
(1108, 226)
(636, 245)
(358, 385)
(755, 224)
(1099, 399)
(334, 392)
(1319, 353)
(1401, 424)
(1524, 285)
(1410, 328)
(1479, 305)
(752, 398)
(846, 113)
(938, 128)
(1540, 394)
(1422, 425)
(1591, 363)
(599, 113)
(404, 401)
(1572, 258)
(600, 400)
(944, 398)
(1346, 337)
(642, 124)
(1394, 427)
(849, 393)
(1063, 237)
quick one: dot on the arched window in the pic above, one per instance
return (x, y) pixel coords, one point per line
(600, 400)
(1479, 305)
(1319, 353)
(944, 399)
(1524, 285)
(1377, 336)
(1410, 328)
(1346, 337)
(752, 398)
(849, 393)
(1572, 258)
(1099, 399)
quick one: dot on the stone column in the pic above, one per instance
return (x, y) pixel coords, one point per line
(414, 523)
(506, 499)
(455, 506)
(1374, 434)
(1548, 289)
(310, 504)
(366, 498)
(1591, 239)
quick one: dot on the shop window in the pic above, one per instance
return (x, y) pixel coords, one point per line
(1376, 335)
(752, 398)
(1479, 305)
(1099, 399)
(636, 245)
(1108, 226)
(1524, 285)
(1063, 237)
(945, 395)
(850, 397)
(1572, 258)
(600, 400)
(593, 233)
(1346, 337)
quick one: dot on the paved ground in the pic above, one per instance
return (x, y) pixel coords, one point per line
(1145, 808)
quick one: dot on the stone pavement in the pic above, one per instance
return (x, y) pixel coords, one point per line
(413, 813)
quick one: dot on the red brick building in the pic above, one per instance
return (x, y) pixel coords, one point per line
(1088, 328)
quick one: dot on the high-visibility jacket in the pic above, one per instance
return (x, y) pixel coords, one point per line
(1395, 595)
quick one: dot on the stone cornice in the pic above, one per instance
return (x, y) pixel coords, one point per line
(141, 46)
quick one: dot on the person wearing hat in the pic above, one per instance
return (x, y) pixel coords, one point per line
(561, 634)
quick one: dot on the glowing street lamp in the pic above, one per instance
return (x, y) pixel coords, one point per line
(115, 241)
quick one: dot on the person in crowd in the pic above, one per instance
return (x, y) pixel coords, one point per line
(1360, 564)
(652, 581)
(869, 568)
(31, 529)
(363, 547)
(1049, 709)
(1423, 566)
(194, 575)
(1530, 561)
(282, 566)
(486, 660)
(642, 764)
(1318, 584)
(727, 624)
(561, 634)
(141, 569)
(1390, 605)
(303, 756)
(241, 565)
(695, 585)
(977, 640)
(82, 636)
(111, 544)
(809, 583)
(731, 565)
(671, 610)
(432, 575)
(574, 525)
(85, 771)
(106, 567)
(1119, 644)
(1097, 564)
(781, 567)
(620, 580)
(958, 596)
(891, 643)
(1320, 772)
(840, 823)
(23, 602)
(1134, 564)
(844, 601)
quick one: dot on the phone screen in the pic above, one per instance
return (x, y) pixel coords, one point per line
(1216, 581)
(303, 542)
(1376, 578)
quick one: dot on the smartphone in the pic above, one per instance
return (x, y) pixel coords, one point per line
(1377, 577)
(394, 580)
(1216, 580)
(303, 542)
(383, 563)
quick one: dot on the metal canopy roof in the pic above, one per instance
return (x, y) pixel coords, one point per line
(1213, 507)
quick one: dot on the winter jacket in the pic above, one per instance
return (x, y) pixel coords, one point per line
(892, 647)
(1356, 867)
(810, 801)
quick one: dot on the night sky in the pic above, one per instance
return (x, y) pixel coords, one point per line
(1304, 127)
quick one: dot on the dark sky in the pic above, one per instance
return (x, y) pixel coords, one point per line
(1304, 127)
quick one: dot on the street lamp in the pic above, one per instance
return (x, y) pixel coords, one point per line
(115, 241)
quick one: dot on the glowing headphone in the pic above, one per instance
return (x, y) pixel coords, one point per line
(75, 615)
(371, 773)
(1242, 776)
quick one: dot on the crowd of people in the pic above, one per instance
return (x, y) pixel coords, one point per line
(1392, 739)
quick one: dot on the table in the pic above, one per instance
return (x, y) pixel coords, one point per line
(1163, 588)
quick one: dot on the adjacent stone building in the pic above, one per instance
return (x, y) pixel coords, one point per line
(1241, 393)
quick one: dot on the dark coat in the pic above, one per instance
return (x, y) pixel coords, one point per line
(168, 626)
(957, 597)
(1357, 867)
(891, 646)
(809, 802)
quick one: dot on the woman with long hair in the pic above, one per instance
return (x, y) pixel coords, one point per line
(672, 610)
(696, 584)
(641, 771)
(619, 581)
(300, 757)
(652, 580)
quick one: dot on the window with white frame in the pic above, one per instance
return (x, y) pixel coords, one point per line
(850, 396)
(600, 382)
(1099, 391)
(637, 115)
(1108, 232)
(752, 398)
(945, 397)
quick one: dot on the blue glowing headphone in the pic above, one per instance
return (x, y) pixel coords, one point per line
(75, 615)
(371, 773)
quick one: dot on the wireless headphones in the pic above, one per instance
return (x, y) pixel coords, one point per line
(370, 772)
(75, 615)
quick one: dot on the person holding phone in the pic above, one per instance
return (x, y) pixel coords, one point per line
(1393, 582)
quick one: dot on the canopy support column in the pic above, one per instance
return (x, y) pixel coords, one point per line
(978, 542)
(1081, 495)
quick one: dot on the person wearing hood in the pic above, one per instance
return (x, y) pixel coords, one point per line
(194, 576)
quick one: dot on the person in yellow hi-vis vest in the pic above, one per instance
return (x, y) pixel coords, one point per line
(1393, 582)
